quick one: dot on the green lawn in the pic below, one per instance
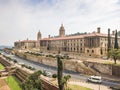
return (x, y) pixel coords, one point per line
(77, 87)
(1, 67)
(13, 83)
(112, 63)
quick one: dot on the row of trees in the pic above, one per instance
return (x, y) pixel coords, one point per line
(113, 52)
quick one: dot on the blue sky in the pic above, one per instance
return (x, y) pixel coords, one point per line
(22, 19)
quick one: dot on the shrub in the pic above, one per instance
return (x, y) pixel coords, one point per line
(50, 56)
(15, 61)
(54, 75)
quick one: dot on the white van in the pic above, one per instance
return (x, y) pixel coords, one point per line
(95, 79)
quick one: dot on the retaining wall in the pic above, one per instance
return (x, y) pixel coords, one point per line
(68, 64)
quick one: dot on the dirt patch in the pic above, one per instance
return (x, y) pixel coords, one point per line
(3, 85)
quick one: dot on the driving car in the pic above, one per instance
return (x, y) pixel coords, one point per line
(95, 79)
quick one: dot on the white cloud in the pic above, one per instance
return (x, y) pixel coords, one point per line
(20, 19)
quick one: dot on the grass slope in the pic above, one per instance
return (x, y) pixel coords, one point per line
(13, 83)
(1, 67)
(77, 87)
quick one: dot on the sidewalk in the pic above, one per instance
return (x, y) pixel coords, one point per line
(90, 85)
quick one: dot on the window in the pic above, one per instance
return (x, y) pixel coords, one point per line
(74, 49)
(81, 49)
(88, 51)
(92, 51)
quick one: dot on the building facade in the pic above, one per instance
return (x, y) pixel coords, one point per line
(29, 44)
(92, 44)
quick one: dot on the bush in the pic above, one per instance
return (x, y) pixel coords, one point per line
(31, 68)
(54, 75)
(50, 56)
(33, 82)
(23, 65)
(15, 61)
(34, 53)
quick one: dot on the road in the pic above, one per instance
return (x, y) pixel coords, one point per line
(74, 75)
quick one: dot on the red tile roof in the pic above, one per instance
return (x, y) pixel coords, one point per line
(78, 36)
(69, 37)
(27, 41)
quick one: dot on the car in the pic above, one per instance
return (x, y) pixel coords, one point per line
(49, 74)
(46, 73)
(95, 79)
(105, 58)
(21, 63)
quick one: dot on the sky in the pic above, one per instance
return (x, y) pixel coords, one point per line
(22, 19)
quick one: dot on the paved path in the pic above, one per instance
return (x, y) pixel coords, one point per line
(3, 85)
(90, 85)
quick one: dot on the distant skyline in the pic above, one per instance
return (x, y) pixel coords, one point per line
(22, 19)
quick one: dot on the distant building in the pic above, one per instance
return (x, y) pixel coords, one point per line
(28, 44)
(92, 44)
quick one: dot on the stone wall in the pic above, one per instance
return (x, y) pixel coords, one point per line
(48, 86)
(85, 67)
(116, 71)
(68, 64)
(104, 68)
(101, 68)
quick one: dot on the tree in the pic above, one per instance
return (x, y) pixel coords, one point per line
(60, 73)
(116, 41)
(33, 82)
(115, 54)
(109, 40)
(67, 77)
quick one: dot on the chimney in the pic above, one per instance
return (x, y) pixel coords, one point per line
(98, 30)
(113, 32)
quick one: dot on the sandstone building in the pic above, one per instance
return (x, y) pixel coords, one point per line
(92, 44)
(28, 44)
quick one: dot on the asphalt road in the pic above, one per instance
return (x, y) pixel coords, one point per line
(74, 75)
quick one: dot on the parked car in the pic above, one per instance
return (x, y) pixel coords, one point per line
(46, 73)
(95, 79)
(105, 58)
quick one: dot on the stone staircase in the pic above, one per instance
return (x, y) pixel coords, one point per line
(21, 75)
(4, 62)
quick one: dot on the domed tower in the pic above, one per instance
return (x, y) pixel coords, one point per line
(61, 31)
(39, 36)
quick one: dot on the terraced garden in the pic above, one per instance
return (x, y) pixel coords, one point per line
(1, 67)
